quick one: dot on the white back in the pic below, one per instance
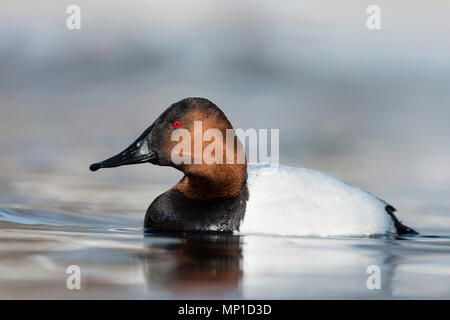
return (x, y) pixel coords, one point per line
(304, 202)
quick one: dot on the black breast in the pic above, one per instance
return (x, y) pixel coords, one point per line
(175, 212)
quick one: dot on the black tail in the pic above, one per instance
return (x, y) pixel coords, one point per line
(401, 228)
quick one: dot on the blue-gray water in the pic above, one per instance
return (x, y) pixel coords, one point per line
(371, 107)
(117, 261)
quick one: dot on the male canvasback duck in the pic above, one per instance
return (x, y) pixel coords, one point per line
(253, 198)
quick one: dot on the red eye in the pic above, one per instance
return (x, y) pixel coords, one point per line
(177, 124)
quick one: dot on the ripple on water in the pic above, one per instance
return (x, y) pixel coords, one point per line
(119, 261)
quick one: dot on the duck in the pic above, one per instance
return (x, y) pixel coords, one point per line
(246, 198)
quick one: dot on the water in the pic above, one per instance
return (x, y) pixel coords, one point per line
(371, 108)
(117, 260)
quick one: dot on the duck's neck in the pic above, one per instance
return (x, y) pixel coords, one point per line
(214, 182)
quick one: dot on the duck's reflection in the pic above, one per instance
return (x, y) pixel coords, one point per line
(192, 263)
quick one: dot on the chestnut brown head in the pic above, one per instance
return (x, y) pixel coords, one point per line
(198, 132)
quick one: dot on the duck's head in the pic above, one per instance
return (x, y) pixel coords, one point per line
(210, 172)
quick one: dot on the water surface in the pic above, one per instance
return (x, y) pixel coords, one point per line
(117, 260)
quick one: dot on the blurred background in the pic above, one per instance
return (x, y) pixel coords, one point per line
(369, 106)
